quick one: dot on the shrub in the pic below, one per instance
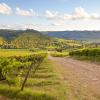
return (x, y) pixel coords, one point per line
(93, 54)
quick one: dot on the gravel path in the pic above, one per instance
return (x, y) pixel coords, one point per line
(82, 79)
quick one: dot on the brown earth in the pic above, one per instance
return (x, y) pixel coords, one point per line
(82, 79)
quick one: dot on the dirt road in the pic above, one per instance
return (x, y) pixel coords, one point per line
(82, 79)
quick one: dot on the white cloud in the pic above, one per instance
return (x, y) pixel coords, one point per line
(57, 19)
(29, 12)
(69, 25)
(5, 9)
(95, 16)
(23, 26)
(51, 15)
(79, 13)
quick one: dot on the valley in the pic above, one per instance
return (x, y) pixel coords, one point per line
(35, 66)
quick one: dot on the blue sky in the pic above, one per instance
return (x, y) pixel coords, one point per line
(50, 14)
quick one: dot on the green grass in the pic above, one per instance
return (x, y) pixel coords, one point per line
(14, 52)
(44, 85)
(27, 94)
(59, 54)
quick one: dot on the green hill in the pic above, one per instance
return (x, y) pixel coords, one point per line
(12, 34)
(24, 39)
(31, 40)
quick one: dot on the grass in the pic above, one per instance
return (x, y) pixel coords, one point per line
(27, 94)
(59, 54)
(14, 52)
(44, 85)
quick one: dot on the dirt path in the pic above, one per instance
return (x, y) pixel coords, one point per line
(82, 79)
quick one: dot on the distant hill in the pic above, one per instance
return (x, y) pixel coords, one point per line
(31, 40)
(24, 39)
(11, 34)
(93, 36)
(34, 39)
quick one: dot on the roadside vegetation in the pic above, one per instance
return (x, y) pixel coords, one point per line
(92, 54)
(59, 54)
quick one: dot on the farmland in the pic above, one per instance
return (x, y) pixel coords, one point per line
(14, 52)
(38, 67)
(41, 85)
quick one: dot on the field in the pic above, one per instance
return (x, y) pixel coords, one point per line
(14, 52)
(53, 75)
(45, 84)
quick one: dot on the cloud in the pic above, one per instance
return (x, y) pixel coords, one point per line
(29, 12)
(79, 13)
(95, 16)
(5, 9)
(40, 27)
(69, 25)
(51, 15)
(16, 26)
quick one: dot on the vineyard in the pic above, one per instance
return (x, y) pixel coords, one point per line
(13, 68)
(28, 77)
(34, 66)
(14, 52)
(92, 54)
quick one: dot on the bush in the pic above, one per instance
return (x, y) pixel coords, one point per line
(59, 54)
(90, 54)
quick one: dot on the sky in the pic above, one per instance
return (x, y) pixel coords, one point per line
(50, 15)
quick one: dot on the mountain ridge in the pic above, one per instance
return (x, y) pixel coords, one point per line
(93, 36)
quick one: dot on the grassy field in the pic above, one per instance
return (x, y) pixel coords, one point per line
(14, 52)
(45, 84)
(59, 54)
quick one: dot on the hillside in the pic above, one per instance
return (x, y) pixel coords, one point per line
(31, 40)
(2, 41)
(12, 34)
(93, 36)
(23, 39)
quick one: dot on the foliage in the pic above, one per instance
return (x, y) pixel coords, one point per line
(59, 54)
(30, 39)
(14, 52)
(45, 84)
(12, 67)
(89, 54)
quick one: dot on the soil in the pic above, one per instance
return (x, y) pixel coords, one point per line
(82, 79)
